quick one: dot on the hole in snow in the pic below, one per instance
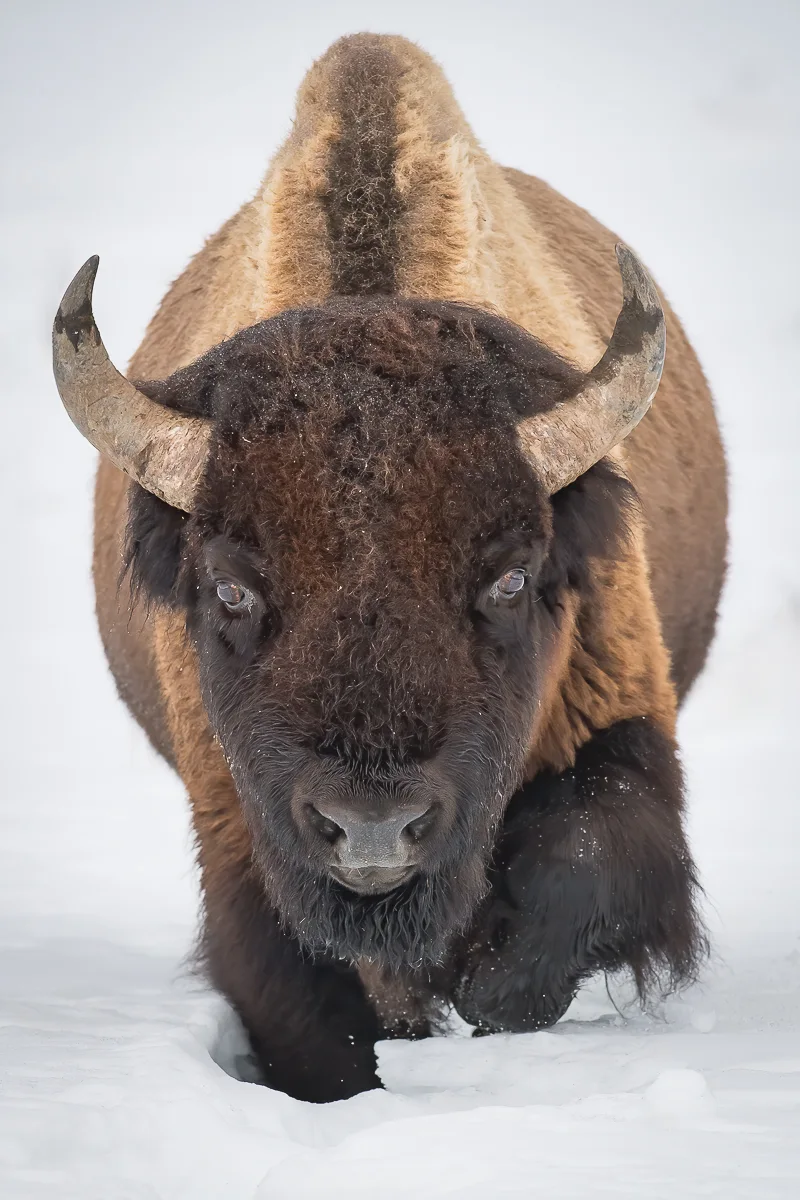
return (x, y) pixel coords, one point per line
(230, 1049)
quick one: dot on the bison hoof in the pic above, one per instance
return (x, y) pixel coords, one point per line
(498, 998)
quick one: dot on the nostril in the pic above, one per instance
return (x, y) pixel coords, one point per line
(323, 825)
(361, 838)
(421, 825)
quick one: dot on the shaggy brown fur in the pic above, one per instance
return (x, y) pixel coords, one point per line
(382, 188)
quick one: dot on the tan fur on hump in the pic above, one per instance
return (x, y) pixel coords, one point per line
(466, 235)
(272, 255)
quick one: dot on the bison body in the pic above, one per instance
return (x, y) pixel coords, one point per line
(423, 705)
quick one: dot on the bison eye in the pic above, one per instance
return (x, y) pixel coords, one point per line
(235, 597)
(507, 586)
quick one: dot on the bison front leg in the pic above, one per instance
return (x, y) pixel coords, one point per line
(309, 1021)
(592, 873)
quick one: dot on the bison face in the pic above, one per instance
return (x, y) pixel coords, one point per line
(374, 726)
(374, 583)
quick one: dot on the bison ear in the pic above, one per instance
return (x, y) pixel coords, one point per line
(190, 391)
(154, 541)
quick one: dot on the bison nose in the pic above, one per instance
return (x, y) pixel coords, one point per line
(372, 853)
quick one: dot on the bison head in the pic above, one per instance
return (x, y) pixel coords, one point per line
(369, 513)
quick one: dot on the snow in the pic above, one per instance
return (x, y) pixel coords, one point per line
(133, 131)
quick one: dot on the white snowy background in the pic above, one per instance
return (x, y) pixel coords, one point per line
(132, 130)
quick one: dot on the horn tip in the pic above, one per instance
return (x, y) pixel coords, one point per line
(81, 287)
(85, 277)
(636, 281)
(74, 317)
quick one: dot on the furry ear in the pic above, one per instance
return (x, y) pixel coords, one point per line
(190, 390)
(155, 533)
(153, 552)
(592, 518)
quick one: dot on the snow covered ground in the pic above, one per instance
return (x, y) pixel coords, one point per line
(132, 131)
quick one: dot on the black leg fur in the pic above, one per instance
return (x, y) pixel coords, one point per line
(309, 1021)
(592, 872)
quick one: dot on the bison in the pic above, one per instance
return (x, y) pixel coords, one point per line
(397, 570)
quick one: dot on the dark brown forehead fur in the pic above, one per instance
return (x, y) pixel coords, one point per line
(371, 432)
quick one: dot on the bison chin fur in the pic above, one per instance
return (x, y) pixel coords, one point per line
(410, 927)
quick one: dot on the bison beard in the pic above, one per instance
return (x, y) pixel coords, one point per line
(408, 927)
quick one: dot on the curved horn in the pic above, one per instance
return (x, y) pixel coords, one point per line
(162, 450)
(573, 436)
